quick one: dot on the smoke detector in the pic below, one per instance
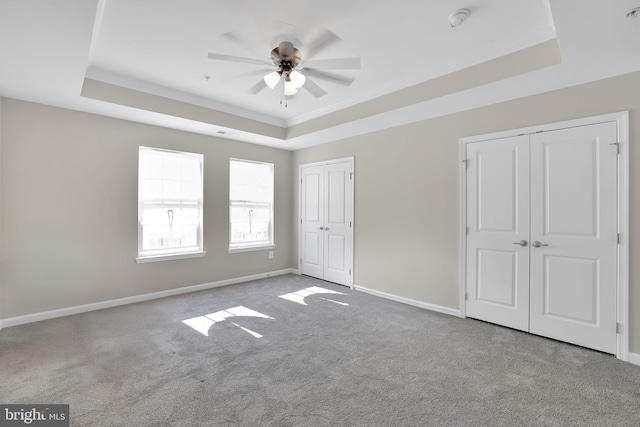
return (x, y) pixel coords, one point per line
(633, 13)
(458, 17)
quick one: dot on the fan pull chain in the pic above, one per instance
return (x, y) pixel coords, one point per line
(283, 95)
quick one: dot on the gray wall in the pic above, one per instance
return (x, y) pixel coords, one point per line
(407, 189)
(69, 216)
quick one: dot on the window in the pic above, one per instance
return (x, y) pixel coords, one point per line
(250, 205)
(169, 204)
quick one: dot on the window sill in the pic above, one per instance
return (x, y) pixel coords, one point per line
(156, 258)
(251, 248)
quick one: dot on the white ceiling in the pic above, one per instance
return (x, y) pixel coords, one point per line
(48, 48)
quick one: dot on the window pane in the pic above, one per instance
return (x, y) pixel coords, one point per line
(251, 203)
(171, 190)
(190, 170)
(151, 189)
(151, 165)
(170, 202)
(171, 167)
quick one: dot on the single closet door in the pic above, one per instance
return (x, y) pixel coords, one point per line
(326, 221)
(574, 235)
(498, 231)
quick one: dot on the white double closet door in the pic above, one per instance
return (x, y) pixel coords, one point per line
(326, 221)
(542, 234)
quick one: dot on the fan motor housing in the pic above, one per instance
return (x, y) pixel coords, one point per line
(285, 55)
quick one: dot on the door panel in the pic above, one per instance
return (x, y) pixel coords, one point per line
(336, 253)
(565, 278)
(574, 212)
(496, 198)
(313, 249)
(497, 219)
(336, 197)
(496, 283)
(568, 173)
(312, 190)
(312, 218)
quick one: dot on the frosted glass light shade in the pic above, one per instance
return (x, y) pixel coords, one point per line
(289, 88)
(297, 79)
(272, 79)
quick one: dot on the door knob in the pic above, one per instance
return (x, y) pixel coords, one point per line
(537, 244)
(521, 243)
(320, 228)
(326, 229)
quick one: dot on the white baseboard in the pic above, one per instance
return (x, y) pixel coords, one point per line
(634, 358)
(46, 315)
(416, 303)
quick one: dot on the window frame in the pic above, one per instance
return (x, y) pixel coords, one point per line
(197, 250)
(251, 246)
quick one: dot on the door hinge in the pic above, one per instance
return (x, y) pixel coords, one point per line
(349, 272)
(618, 327)
(300, 220)
(618, 239)
(349, 224)
(300, 181)
(300, 260)
(467, 230)
(350, 175)
(466, 296)
(466, 163)
(617, 144)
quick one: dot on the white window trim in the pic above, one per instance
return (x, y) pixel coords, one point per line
(252, 248)
(156, 258)
(177, 253)
(260, 246)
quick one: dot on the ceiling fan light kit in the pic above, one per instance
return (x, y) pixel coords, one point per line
(287, 58)
(289, 88)
(272, 79)
(297, 79)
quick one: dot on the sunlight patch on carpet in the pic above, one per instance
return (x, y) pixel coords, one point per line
(299, 296)
(202, 324)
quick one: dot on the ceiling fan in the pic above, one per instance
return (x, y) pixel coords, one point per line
(291, 71)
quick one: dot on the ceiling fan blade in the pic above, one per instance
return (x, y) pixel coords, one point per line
(314, 89)
(240, 42)
(346, 81)
(231, 58)
(257, 87)
(334, 64)
(254, 73)
(326, 39)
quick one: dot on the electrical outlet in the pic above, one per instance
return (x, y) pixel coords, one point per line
(270, 254)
